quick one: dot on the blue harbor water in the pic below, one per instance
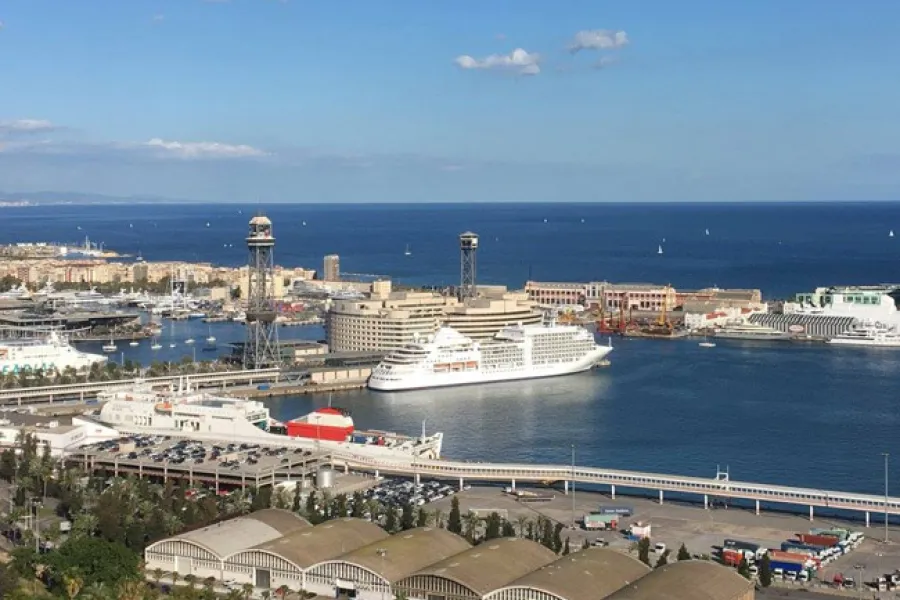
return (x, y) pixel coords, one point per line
(794, 414)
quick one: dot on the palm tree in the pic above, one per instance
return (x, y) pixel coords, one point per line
(521, 524)
(209, 585)
(247, 589)
(73, 584)
(175, 577)
(471, 523)
(157, 575)
(282, 591)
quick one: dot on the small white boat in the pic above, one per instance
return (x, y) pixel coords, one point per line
(155, 345)
(545, 220)
(110, 347)
(211, 340)
(303, 223)
(407, 252)
(189, 341)
(207, 223)
(134, 343)
(891, 234)
(659, 250)
(582, 220)
(707, 232)
(172, 345)
(707, 344)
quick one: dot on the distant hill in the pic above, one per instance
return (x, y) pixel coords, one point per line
(38, 198)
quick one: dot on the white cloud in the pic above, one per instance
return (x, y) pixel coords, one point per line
(158, 18)
(598, 39)
(203, 149)
(519, 60)
(26, 126)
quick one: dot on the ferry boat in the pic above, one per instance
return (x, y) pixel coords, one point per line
(872, 335)
(751, 331)
(48, 354)
(449, 358)
(183, 411)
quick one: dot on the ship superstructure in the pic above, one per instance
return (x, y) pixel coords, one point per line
(521, 352)
(50, 353)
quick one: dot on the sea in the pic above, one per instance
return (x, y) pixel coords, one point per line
(796, 414)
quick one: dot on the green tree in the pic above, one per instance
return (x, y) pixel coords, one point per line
(312, 514)
(566, 549)
(390, 519)
(9, 580)
(95, 560)
(557, 538)
(471, 524)
(765, 572)
(492, 526)
(663, 559)
(507, 530)
(744, 568)
(359, 506)
(454, 520)
(422, 518)
(683, 553)
(644, 550)
(8, 465)
(407, 517)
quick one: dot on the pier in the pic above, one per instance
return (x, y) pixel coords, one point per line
(82, 391)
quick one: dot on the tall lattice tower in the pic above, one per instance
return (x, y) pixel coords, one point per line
(261, 349)
(468, 245)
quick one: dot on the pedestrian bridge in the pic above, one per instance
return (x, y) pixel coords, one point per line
(704, 488)
(80, 391)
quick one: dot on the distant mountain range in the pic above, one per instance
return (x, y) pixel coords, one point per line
(44, 198)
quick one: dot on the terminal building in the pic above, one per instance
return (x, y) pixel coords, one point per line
(386, 320)
(353, 558)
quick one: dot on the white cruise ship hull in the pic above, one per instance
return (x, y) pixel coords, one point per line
(426, 378)
(866, 343)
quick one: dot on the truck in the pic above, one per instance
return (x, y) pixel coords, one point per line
(732, 558)
(840, 534)
(755, 550)
(596, 521)
(806, 559)
(625, 511)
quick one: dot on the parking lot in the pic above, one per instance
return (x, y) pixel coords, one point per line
(399, 492)
(163, 456)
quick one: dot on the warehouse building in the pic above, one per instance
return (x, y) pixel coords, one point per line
(474, 573)
(201, 552)
(806, 325)
(689, 580)
(591, 574)
(285, 560)
(368, 572)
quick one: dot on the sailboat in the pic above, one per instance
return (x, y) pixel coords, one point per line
(211, 340)
(891, 234)
(110, 347)
(172, 333)
(189, 341)
(133, 343)
(659, 250)
(707, 232)
(407, 252)
(155, 345)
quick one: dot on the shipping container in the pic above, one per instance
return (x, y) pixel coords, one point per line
(840, 534)
(826, 541)
(625, 511)
(786, 566)
(732, 557)
(795, 557)
(741, 544)
(595, 521)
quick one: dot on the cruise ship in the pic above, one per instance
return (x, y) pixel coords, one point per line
(181, 411)
(751, 331)
(521, 352)
(873, 335)
(50, 353)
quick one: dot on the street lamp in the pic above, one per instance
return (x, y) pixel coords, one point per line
(859, 582)
(886, 456)
(573, 486)
(381, 553)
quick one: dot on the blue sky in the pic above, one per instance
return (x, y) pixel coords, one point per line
(415, 101)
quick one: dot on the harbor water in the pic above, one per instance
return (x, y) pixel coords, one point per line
(783, 413)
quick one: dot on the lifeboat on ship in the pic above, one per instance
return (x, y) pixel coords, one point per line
(329, 423)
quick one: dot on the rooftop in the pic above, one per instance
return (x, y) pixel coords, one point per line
(407, 552)
(493, 564)
(326, 541)
(687, 580)
(234, 535)
(587, 575)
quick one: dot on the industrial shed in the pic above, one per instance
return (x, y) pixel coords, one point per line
(368, 572)
(474, 573)
(284, 561)
(591, 574)
(689, 580)
(201, 552)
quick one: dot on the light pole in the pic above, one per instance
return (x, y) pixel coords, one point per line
(573, 486)
(381, 553)
(887, 456)
(859, 582)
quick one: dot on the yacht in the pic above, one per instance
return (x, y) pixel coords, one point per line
(155, 345)
(449, 358)
(751, 331)
(110, 347)
(874, 335)
(50, 353)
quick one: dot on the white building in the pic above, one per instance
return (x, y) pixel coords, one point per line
(62, 434)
